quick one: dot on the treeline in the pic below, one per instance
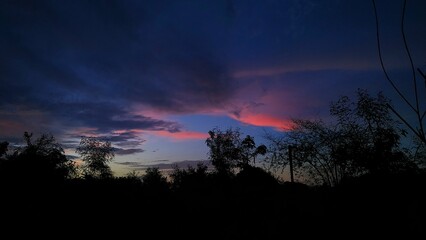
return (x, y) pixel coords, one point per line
(364, 181)
(360, 138)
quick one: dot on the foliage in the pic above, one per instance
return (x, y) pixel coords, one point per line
(3, 148)
(255, 179)
(223, 153)
(250, 151)
(133, 175)
(154, 182)
(42, 159)
(362, 139)
(371, 138)
(190, 179)
(228, 151)
(96, 154)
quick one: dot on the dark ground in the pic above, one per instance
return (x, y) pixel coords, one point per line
(231, 209)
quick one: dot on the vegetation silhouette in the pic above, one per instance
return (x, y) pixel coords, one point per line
(361, 139)
(154, 183)
(228, 152)
(38, 162)
(364, 182)
(95, 154)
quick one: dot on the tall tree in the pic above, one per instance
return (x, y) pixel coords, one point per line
(190, 179)
(42, 159)
(249, 151)
(224, 152)
(228, 151)
(96, 154)
(363, 138)
(154, 182)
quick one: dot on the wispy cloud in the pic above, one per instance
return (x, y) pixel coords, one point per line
(263, 120)
(128, 151)
(122, 69)
(87, 69)
(182, 135)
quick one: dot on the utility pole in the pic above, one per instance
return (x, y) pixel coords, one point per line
(290, 159)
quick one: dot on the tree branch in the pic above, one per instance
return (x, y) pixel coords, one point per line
(420, 134)
(382, 63)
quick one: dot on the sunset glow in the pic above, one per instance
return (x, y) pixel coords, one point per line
(262, 120)
(148, 75)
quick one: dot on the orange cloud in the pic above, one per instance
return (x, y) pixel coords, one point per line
(264, 120)
(181, 136)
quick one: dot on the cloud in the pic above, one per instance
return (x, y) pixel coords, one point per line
(129, 151)
(263, 120)
(182, 135)
(84, 64)
(124, 142)
(136, 164)
(15, 119)
(275, 100)
(95, 68)
(106, 116)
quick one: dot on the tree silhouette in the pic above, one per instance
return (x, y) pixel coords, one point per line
(256, 180)
(224, 152)
(228, 151)
(96, 154)
(3, 148)
(190, 179)
(40, 160)
(362, 139)
(249, 150)
(154, 182)
(371, 137)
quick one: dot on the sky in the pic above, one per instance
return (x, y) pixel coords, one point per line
(153, 77)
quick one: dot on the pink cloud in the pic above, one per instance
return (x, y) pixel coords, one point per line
(181, 136)
(252, 105)
(264, 120)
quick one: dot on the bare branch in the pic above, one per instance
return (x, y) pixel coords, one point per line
(382, 63)
(419, 134)
(422, 74)
(407, 50)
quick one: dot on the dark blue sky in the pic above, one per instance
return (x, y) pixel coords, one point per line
(155, 76)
